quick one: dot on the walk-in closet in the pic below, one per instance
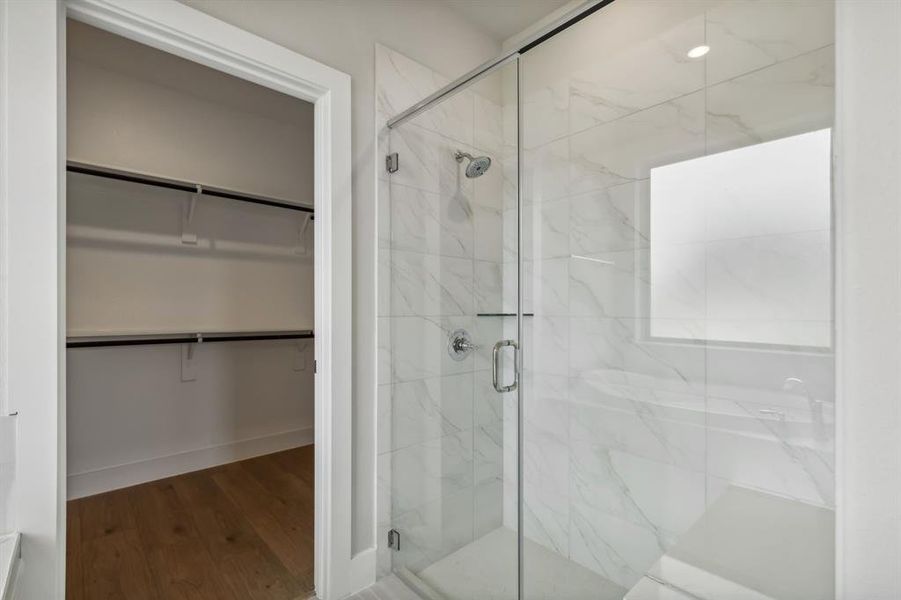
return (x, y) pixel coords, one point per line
(190, 343)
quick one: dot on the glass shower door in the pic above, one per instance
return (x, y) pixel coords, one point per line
(449, 397)
(677, 387)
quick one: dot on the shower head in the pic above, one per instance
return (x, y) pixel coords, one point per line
(477, 164)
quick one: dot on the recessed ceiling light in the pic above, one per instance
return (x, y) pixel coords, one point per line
(698, 51)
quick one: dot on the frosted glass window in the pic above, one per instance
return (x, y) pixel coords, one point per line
(741, 245)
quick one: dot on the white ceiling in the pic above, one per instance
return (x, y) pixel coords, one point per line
(503, 18)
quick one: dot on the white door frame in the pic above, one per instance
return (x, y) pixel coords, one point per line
(32, 274)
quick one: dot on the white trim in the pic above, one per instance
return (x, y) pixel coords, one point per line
(97, 481)
(9, 563)
(32, 198)
(188, 33)
(868, 299)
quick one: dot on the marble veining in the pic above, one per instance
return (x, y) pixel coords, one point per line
(630, 437)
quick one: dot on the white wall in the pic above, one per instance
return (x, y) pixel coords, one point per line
(342, 34)
(868, 189)
(143, 412)
(32, 370)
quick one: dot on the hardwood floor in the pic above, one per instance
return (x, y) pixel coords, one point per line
(240, 531)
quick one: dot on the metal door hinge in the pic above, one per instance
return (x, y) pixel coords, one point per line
(315, 369)
(394, 539)
(392, 163)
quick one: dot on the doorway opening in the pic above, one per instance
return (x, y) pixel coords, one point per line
(190, 320)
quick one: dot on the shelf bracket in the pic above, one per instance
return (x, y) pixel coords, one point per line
(302, 249)
(188, 234)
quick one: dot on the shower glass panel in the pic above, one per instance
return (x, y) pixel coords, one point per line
(449, 297)
(678, 395)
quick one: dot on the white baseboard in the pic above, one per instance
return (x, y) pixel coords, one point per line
(98, 481)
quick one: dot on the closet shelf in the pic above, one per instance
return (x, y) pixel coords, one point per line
(183, 338)
(184, 186)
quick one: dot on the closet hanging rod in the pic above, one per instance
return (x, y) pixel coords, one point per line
(184, 186)
(182, 338)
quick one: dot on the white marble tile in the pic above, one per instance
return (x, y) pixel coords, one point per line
(545, 112)
(434, 529)
(649, 589)
(545, 351)
(788, 98)
(782, 453)
(488, 404)
(546, 172)
(661, 426)
(546, 229)
(545, 405)
(545, 286)
(488, 126)
(488, 449)
(608, 350)
(489, 233)
(546, 517)
(651, 67)
(751, 375)
(427, 285)
(426, 162)
(616, 549)
(489, 287)
(431, 470)
(488, 189)
(419, 347)
(615, 218)
(403, 82)
(745, 35)
(485, 332)
(487, 507)
(625, 150)
(608, 284)
(430, 408)
(427, 222)
(546, 461)
(660, 497)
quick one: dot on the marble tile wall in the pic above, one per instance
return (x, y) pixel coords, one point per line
(440, 424)
(628, 440)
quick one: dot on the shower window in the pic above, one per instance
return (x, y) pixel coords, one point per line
(740, 245)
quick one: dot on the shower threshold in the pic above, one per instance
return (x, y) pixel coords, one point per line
(486, 570)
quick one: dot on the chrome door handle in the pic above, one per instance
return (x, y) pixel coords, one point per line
(495, 366)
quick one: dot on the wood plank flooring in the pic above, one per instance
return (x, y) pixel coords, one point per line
(242, 531)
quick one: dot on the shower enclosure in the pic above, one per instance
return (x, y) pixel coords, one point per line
(606, 315)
